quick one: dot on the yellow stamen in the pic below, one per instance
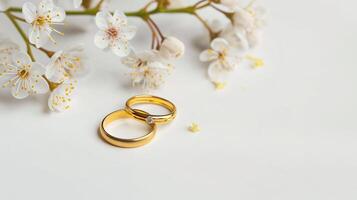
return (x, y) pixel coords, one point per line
(40, 20)
(194, 128)
(23, 74)
(219, 85)
(256, 62)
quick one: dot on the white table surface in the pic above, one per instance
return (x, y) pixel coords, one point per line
(284, 132)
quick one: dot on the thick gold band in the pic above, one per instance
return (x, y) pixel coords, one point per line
(148, 99)
(121, 142)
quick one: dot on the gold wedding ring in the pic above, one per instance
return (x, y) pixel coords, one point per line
(148, 99)
(121, 142)
(140, 115)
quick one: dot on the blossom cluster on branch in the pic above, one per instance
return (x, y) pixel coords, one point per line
(24, 75)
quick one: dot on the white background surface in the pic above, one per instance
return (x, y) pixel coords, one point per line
(287, 131)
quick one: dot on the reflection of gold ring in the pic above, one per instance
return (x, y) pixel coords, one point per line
(148, 99)
(121, 142)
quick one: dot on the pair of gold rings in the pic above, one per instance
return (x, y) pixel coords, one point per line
(140, 115)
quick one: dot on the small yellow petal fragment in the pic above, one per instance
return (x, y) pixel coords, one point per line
(256, 62)
(219, 85)
(194, 128)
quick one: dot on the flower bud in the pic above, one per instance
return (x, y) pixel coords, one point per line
(171, 48)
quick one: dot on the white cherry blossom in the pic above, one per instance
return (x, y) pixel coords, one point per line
(246, 31)
(61, 97)
(66, 64)
(223, 59)
(147, 69)
(23, 76)
(171, 48)
(114, 32)
(42, 18)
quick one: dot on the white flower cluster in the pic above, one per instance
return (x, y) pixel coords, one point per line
(25, 76)
(234, 41)
(149, 68)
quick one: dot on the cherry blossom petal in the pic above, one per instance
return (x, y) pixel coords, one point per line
(148, 55)
(120, 48)
(244, 19)
(21, 59)
(38, 84)
(21, 89)
(75, 58)
(51, 73)
(51, 68)
(219, 44)
(7, 49)
(208, 55)
(128, 32)
(130, 60)
(56, 74)
(58, 14)
(216, 73)
(171, 48)
(100, 40)
(39, 37)
(38, 68)
(118, 18)
(61, 98)
(29, 11)
(101, 20)
(45, 6)
(158, 65)
(229, 63)
(236, 37)
(241, 39)
(5, 78)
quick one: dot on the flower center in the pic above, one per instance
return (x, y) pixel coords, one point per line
(147, 72)
(40, 21)
(23, 74)
(112, 32)
(221, 56)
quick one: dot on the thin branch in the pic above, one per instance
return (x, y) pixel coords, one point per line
(22, 33)
(155, 40)
(18, 18)
(142, 13)
(162, 37)
(206, 25)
